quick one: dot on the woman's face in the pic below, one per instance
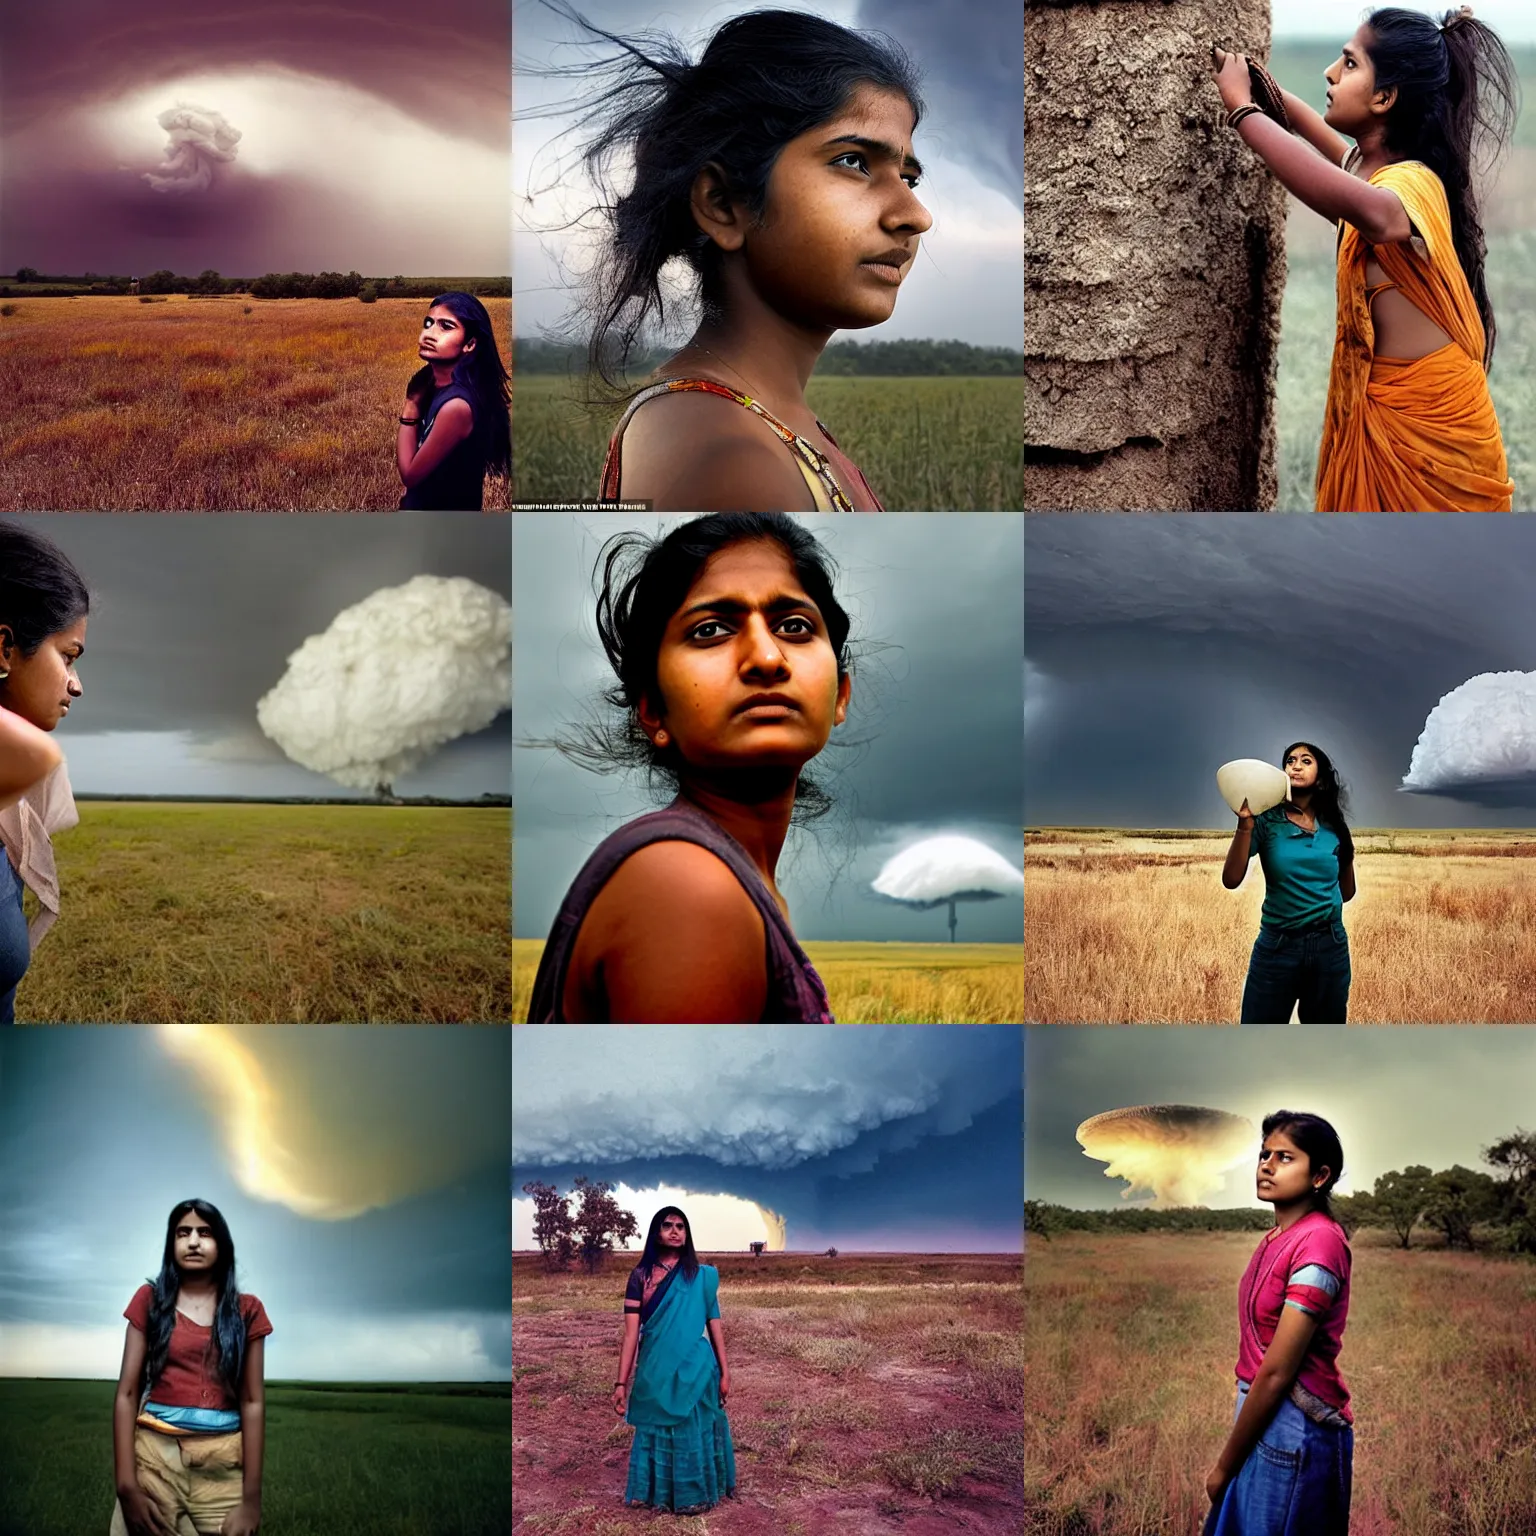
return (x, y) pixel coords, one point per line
(840, 227)
(1301, 768)
(1285, 1171)
(747, 629)
(674, 1232)
(1351, 85)
(197, 1250)
(41, 687)
(443, 337)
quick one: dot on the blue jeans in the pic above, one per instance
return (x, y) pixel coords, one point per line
(15, 950)
(1295, 1482)
(1309, 966)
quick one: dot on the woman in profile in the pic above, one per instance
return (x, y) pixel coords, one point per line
(1410, 425)
(189, 1419)
(44, 609)
(1301, 955)
(455, 423)
(778, 170)
(730, 649)
(673, 1381)
(1288, 1464)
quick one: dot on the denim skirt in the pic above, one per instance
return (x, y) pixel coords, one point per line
(15, 949)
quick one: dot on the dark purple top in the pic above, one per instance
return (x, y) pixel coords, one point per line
(795, 992)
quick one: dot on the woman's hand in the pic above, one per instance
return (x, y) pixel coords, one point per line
(1232, 79)
(1215, 1482)
(242, 1520)
(1245, 817)
(620, 1399)
(419, 391)
(725, 1384)
(142, 1515)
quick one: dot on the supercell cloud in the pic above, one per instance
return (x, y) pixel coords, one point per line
(1479, 742)
(198, 141)
(1177, 1153)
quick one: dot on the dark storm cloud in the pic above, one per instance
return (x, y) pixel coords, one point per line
(937, 599)
(1160, 647)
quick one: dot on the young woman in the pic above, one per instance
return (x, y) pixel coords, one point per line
(1287, 1465)
(675, 1392)
(1301, 955)
(189, 1420)
(1410, 425)
(454, 425)
(779, 171)
(730, 648)
(43, 611)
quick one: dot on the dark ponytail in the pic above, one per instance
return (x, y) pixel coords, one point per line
(1320, 1142)
(1456, 84)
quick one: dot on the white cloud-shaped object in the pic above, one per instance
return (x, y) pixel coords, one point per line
(393, 679)
(939, 868)
(1482, 732)
(198, 140)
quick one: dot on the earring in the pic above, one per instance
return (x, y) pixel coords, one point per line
(661, 738)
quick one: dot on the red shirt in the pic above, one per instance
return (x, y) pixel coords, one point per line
(1306, 1266)
(191, 1375)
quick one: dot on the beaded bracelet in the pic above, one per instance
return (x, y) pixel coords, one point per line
(1237, 114)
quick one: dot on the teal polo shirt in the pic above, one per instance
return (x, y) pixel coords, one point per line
(1301, 871)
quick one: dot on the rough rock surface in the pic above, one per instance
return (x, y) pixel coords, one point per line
(1154, 262)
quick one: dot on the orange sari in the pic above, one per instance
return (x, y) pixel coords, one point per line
(1418, 436)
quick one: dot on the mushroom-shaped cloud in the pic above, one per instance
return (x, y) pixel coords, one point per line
(1479, 743)
(394, 678)
(1177, 1153)
(947, 869)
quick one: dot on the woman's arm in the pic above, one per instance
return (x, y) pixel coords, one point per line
(717, 1339)
(1308, 123)
(1236, 867)
(627, 1352)
(27, 756)
(139, 1513)
(1282, 1360)
(243, 1520)
(1347, 879)
(455, 421)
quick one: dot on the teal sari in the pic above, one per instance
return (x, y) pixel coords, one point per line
(682, 1458)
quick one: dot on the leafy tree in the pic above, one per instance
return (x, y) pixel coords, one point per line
(1400, 1199)
(1037, 1219)
(368, 294)
(28, 275)
(553, 1229)
(158, 282)
(600, 1222)
(1516, 1154)
(1459, 1198)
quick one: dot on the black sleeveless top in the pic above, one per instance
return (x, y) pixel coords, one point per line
(458, 483)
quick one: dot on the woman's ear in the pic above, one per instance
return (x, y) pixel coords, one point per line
(844, 691)
(651, 720)
(713, 209)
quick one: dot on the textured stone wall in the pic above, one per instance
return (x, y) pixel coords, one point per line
(1154, 262)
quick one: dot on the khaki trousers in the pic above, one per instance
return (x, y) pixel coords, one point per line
(194, 1480)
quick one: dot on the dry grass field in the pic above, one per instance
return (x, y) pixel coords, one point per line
(881, 983)
(276, 914)
(869, 1393)
(1129, 1348)
(1135, 928)
(228, 404)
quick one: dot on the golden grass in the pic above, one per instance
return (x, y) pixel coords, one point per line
(1129, 1348)
(274, 914)
(197, 405)
(1137, 928)
(880, 983)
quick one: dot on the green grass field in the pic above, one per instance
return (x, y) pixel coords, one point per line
(881, 983)
(924, 444)
(267, 914)
(341, 1460)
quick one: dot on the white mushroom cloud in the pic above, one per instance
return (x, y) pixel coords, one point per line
(1479, 741)
(394, 678)
(1177, 1153)
(939, 869)
(198, 140)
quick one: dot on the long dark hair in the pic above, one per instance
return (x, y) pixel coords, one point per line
(1320, 1142)
(1455, 83)
(688, 1261)
(764, 78)
(40, 590)
(228, 1338)
(1329, 797)
(484, 375)
(643, 583)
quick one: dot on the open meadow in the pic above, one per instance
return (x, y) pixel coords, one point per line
(869, 1393)
(924, 444)
(365, 1459)
(1130, 1342)
(209, 404)
(880, 983)
(277, 914)
(1135, 927)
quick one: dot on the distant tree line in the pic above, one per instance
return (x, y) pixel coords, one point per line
(1470, 1209)
(30, 283)
(875, 358)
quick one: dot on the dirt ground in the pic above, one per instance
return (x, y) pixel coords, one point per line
(870, 1394)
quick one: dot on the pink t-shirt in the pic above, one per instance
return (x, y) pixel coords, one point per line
(1306, 1266)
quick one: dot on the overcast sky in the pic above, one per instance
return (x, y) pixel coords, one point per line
(1513, 20)
(372, 136)
(360, 1170)
(942, 592)
(1395, 1096)
(882, 1138)
(966, 281)
(1158, 648)
(193, 619)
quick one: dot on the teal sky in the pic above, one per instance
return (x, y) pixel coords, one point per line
(1513, 20)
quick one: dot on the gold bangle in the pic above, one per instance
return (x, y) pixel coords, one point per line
(1237, 114)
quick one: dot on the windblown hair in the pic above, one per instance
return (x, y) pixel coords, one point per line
(1456, 84)
(484, 375)
(227, 1340)
(688, 1261)
(1320, 1142)
(645, 581)
(1329, 797)
(764, 78)
(40, 590)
